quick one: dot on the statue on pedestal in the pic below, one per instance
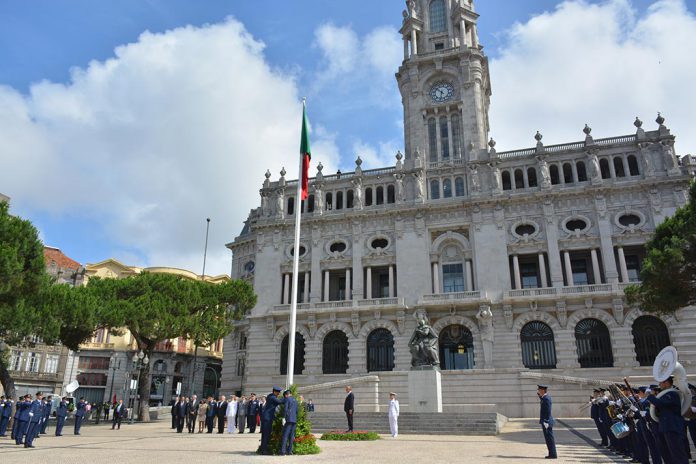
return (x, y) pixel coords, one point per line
(485, 320)
(423, 346)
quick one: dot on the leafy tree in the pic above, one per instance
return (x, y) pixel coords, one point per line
(159, 307)
(668, 275)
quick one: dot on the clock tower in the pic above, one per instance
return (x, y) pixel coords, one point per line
(444, 82)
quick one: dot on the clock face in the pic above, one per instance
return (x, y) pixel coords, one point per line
(441, 92)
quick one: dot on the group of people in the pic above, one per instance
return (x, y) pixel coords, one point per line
(623, 412)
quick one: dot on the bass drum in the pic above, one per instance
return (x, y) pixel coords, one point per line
(620, 430)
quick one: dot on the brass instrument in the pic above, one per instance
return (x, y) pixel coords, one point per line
(667, 364)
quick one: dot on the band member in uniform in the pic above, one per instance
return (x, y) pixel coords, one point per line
(546, 420)
(79, 414)
(252, 412)
(5, 414)
(595, 409)
(48, 406)
(35, 420)
(671, 424)
(61, 413)
(232, 414)
(393, 415)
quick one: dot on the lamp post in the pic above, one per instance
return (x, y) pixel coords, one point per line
(140, 360)
(72, 365)
(195, 345)
(113, 366)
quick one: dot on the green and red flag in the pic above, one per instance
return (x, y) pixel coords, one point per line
(305, 153)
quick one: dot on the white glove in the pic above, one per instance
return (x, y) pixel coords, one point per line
(546, 425)
(648, 391)
(619, 416)
(643, 413)
(612, 403)
(693, 409)
(634, 409)
(31, 414)
(618, 402)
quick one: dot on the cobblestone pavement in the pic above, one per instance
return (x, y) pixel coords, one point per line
(156, 443)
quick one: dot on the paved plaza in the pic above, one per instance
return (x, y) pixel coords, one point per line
(155, 443)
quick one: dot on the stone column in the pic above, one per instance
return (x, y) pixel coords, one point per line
(622, 265)
(595, 267)
(474, 36)
(469, 276)
(368, 283)
(462, 32)
(554, 254)
(627, 171)
(414, 45)
(612, 171)
(436, 278)
(405, 48)
(348, 286)
(391, 281)
(568, 268)
(516, 271)
(542, 270)
(450, 142)
(306, 288)
(326, 285)
(607, 249)
(286, 289)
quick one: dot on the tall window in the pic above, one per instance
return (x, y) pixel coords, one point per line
(434, 189)
(593, 344)
(519, 179)
(532, 177)
(456, 348)
(553, 172)
(529, 275)
(633, 265)
(633, 165)
(452, 278)
(380, 350)
(15, 361)
(456, 136)
(619, 167)
(446, 188)
(51, 364)
(650, 335)
(33, 361)
(437, 16)
(507, 183)
(459, 187)
(432, 139)
(291, 206)
(368, 196)
(538, 347)
(444, 138)
(580, 273)
(379, 196)
(582, 172)
(335, 353)
(567, 173)
(604, 168)
(299, 355)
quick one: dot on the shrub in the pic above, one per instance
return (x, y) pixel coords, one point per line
(360, 435)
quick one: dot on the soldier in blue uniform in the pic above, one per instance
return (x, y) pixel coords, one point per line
(546, 420)
(36, 415)
(47, 406)
(267, 415)
(15, 423)
(61, 413)
(251, 412)
(5, 414)
(671, 425)
(290, 423)
(79, 414)
(595, 409)
(22, 419)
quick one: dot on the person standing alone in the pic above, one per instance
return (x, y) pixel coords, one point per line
(393, 415)
(61, 414)
(348, 407)
(119, 413)
(290, 423)
(546, 420)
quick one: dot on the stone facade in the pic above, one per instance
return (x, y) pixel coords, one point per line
(518, 259)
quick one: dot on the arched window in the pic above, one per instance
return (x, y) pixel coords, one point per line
(432, 139)
(519, 179)
(310, 204)
(593, 344)
(531, 177)
(456, 348)
(456, 136)
(368, 196)
(380, 350)
(339, 200)
(553, 172)
(379, 197)
(329, 201)
(299, 354)
(434, 189)
(349, 199)
(444, 138)
(437, 16)
(567, 173)
(335, 353)
(604, 167)
(650, 335)
(291, 206)
(633, 165)
(446, 188)
(618, 167)
(582, 172)
(507, 184)
(391, 197)
(459, 187)
(538, 347)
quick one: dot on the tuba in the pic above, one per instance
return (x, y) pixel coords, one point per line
(666, 364)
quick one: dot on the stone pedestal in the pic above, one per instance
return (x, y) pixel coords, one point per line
(424, 390)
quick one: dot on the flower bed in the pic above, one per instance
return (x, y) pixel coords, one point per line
(359, 435)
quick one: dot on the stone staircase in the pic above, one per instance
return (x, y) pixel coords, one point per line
(489, 423)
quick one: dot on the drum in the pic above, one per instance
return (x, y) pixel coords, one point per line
(620, 430)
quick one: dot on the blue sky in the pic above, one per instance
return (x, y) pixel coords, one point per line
(53, 55)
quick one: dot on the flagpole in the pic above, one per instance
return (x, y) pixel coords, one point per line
(295, 268)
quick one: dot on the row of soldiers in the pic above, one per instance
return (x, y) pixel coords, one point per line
(624, 412)
(30, 418)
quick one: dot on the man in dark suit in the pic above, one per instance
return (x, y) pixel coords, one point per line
(120, 412)
(672, 427)
(290, 423)
(180, 407)
(210, 414)
(267, 415)
(546, 420)
(5, 414)
(221, 411)
(61, 413)
(193, 406)
(251, 412)
(348, 407)
(79, 414)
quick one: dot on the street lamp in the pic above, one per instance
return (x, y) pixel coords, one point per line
(140, 360)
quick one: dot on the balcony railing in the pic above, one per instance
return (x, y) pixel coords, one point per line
(97, 346)
(525, 292)
(454, 296)
(381, 302)
(334, 304)
(394, 301)
(597, 288)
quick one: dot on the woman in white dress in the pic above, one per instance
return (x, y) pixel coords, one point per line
(231, 414)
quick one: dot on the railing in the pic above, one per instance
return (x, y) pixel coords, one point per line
(345, 175)
(96, 345)
(438, 297)
(381, 302)
(286, 307)
(531, 292)
(619, 139)
(334, 304)
(623, 285)
(445, 163)
(516, 153)
(598, 288)
(566, 146)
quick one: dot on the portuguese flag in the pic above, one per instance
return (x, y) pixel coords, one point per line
(305, 153)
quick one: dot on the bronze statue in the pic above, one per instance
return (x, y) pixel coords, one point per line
(423, 346)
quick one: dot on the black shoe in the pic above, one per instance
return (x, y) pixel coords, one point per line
(550, 457)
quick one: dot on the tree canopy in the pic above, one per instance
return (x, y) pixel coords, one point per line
(668, 274)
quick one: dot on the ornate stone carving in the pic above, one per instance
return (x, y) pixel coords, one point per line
(358, 193)
(271, 326)
(312, 324)
(600, 206)
(419, 186)
(496, 179)
(280, 202)
(562, 313)
(355, 323)
(265, 209)
(485, 322)
(618, 310)
(544, 170)
(507, 313)
(423, 346)
(595, 170)
(399, 182)
(474, 178)
(401, 320)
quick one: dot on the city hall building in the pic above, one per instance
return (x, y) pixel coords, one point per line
(517, 259)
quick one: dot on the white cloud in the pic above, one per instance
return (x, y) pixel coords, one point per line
(177, 127)
(601, 64)
(377, 156)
